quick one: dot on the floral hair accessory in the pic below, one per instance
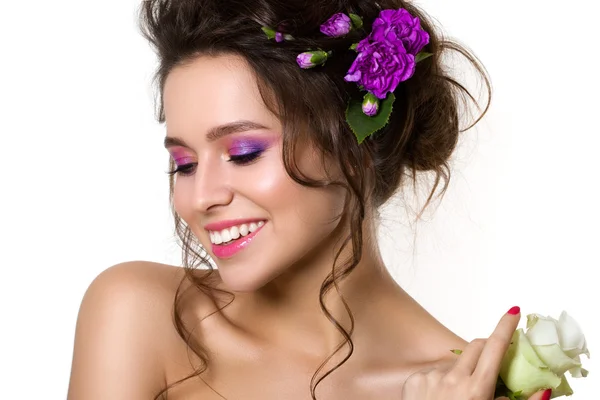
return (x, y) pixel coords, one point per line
(311, 59)
(341, 24)
(278, 36)
(370, 105)
(386, 57)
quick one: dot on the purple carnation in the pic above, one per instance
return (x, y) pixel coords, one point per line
(380, 66)
(395, 26)
(338, 25)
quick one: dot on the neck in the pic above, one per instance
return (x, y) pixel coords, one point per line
(288, 310)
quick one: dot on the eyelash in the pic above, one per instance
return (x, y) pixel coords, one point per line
(241, 160)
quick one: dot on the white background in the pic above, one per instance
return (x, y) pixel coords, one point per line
(84, 187)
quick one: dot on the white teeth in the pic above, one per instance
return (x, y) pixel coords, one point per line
(226, 235)
(235, 232)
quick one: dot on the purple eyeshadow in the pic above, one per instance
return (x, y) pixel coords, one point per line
(240, 147)
(180, 157)
(183, 161)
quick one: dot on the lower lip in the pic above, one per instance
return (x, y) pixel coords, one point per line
(231, 249)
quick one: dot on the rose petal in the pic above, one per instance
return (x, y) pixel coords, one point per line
(556, 359)
(542, 331)
(578, 372)
(570, 335)
(564, 389)
(523, 370)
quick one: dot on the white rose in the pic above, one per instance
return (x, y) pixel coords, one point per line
(538, 359)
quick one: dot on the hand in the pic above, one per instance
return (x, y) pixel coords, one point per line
(473, 375)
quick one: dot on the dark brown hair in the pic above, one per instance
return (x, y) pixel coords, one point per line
(422, 133)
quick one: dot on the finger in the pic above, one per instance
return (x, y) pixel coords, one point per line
(467, 361)
(542, 395)
(496, 345)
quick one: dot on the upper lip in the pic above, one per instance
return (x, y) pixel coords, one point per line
(220, 225)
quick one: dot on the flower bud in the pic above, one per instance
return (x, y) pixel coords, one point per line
(311, 59)
(370, 105)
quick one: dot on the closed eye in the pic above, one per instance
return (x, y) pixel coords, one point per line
(242, 159)
(245, 159)
(184, 169)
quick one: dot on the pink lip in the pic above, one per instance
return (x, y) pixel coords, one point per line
(231, 249)
(219, 226)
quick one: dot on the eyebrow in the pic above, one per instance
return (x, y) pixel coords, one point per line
(218, 132)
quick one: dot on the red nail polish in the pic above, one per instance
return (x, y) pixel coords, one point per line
(514, 311)
(546, 395)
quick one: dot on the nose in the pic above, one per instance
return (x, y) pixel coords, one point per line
(211, 188)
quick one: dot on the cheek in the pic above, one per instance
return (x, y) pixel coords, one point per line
(266, 183)
(182, 199)
(289, 203)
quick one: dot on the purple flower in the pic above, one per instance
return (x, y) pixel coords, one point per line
(370, 105)
(380, 66)
(311, 59)
(394, 26)
(338, 25)
(278, 37)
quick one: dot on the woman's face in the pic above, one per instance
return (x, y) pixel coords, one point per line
(231, 187)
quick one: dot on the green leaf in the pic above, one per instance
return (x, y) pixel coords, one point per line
(270, 32)
(362, 125)
(422, 55)
(456, 351)
(354, 46)
(357, 21)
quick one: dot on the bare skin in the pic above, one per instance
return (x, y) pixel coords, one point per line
(126, 348)
(270, 340)
(248, 365)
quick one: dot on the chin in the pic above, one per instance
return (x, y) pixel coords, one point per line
(244, 277)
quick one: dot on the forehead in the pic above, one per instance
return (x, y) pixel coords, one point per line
(212, 91)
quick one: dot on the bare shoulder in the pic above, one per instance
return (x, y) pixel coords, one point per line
(431, 340)
(124, 328)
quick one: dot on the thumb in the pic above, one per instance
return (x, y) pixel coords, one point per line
(542, 395)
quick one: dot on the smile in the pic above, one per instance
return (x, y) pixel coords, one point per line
(228, 242)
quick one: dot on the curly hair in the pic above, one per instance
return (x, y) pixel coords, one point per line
(421, 135)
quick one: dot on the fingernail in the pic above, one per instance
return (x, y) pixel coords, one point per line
(515, 310)
(546, 395)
